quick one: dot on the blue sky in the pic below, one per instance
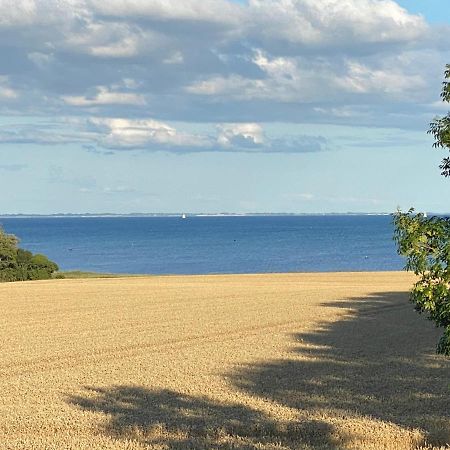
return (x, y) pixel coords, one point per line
(221, 106)
(435, 11)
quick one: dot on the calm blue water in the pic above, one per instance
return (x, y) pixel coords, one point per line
(200, 245)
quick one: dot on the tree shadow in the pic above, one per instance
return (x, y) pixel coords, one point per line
(376, 363)
(172, 420)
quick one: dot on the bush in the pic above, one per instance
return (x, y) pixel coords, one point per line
(38, 274)
(17, 264)
(39, 261)
(8, 251)
(23, 256)
(8, 274)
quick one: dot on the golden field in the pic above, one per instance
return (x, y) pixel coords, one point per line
(274, 361)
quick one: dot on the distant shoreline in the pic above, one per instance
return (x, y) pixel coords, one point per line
(177, 215)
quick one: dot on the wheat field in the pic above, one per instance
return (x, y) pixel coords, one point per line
(274, 361)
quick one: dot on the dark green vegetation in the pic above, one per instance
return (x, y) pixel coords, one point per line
(17, 264)
(426, 243)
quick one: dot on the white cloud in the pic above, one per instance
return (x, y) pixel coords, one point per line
(186, 10)
(220, 61)
(301, 79)
(335, 22)
(241, 135)
(103, 135)
(17, 13)
(363, 79)
(341, 112)
(284, 80)
(106, 40)
(175, 58)
(146, 133)
(105, 97)
(235, 85)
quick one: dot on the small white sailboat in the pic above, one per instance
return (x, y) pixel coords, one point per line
(183, 216)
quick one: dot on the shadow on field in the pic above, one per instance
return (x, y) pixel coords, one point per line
(178, 421)
(376, 363)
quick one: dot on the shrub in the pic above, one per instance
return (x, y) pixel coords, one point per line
(17, 264)
(39, 261)
(8, 274)
(8, 250)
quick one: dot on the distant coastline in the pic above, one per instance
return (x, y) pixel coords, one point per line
(200, 214)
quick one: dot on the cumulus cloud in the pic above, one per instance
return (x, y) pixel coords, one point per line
(215, 11)
(241, 135)
(128, 133)
(104, 135)
(284, 79)
(300, 80)
(104, 96)
(335, 23)
(250, 137)
(152, 135)
(41, 134)
(362, 79)
(216, 61)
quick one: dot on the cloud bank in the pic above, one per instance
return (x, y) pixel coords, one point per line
(127, 69)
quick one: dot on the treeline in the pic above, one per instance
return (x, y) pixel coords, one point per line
(17, 264)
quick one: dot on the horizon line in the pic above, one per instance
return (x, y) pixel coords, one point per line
(200, 214)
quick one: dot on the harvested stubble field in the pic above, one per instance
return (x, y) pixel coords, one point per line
(297, 361)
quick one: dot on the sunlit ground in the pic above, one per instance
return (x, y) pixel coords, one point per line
(282, 361)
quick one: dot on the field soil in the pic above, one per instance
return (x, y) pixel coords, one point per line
(274, 361)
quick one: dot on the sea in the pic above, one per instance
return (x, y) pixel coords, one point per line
(211, 244)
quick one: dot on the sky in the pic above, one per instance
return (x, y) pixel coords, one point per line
(162, 106)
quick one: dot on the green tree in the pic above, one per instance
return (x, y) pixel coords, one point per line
(41, 268)
(17, 264)
(8, 256)
(426, 243)
(440, 126)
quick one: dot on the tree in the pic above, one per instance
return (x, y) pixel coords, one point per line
(41, 267)
(17, 264)
(440, 127)
(426, 243)
(8, 256)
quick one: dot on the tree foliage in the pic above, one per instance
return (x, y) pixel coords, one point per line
(8, 250)
(440, 126)
(17, 264)
(425, 242)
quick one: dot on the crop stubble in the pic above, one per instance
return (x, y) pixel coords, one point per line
(272, 361)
